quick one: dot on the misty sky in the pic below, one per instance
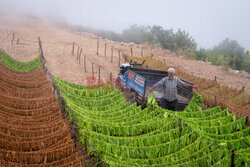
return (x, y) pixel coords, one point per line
(208, 21)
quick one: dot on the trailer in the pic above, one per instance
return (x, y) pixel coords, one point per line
(136, 81)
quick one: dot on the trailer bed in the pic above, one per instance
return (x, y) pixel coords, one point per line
(140, 80)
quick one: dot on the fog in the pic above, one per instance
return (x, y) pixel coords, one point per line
(208, 21)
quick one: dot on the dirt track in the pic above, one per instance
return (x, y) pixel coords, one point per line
(57, 47)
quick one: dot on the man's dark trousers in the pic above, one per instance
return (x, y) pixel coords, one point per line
(171, 105)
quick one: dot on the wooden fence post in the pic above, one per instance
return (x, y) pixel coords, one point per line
(13, 37)
(119, 63)
(40, 46)
(85, 69)
(112, 50)
(105, 50)
(73, 47)
(110, 76)
(141, 52)
(215, 102)
(41, 50)
(79, 57)
(78, 49)
(97, 52)
(215, 78)
(99, 75)
(131, 50)
(92, 70)
(243, 88)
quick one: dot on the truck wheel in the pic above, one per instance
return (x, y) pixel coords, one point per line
(133, 98)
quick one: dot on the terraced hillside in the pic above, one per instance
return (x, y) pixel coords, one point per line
(32, 129)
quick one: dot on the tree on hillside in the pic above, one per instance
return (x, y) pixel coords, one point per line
(147, 36)
(232, 51)
(246, 64)
(183, 40)
(247, 53)
(109, 35)
(173, 41)
(164, 37)
(201, 54)
(133, 34)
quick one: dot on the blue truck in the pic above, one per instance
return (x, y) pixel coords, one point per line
(136, 81)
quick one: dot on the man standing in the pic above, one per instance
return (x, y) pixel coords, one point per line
(169, 96)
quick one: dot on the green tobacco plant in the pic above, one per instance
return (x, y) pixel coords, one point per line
(127, 135)
(20, 66)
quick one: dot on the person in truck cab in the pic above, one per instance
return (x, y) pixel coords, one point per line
(169, 96)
